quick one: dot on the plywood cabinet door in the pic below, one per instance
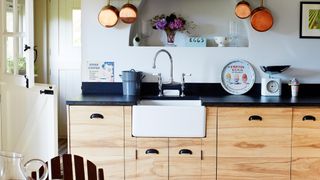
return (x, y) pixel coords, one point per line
(306, 144)
(152, 159)
(209, 146)
(254, 143)
(184, 158)
(97, 133)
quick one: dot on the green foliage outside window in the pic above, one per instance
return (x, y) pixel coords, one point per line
(21, 65)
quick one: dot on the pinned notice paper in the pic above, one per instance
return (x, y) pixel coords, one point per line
(100, 71)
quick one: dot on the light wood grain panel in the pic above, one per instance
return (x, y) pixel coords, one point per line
(254, 149)
(239, 137)
(152, 166)
(253, 168)
(184, 166)
(306, 144)
(305, 168)
(306, 134)
(99, 140)
(209, 146)
(130, 147)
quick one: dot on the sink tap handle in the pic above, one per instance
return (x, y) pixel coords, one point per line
(183, 81)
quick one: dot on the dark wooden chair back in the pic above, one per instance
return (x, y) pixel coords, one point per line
(61, 167)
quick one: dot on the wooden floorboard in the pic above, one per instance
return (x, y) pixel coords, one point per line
(62, 146)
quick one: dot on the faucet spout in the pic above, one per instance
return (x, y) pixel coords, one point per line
(171, 63)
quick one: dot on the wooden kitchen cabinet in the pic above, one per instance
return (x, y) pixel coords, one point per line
(168, 158)
(173, 158)
(97, 133)
(254, 143)
(306, 144)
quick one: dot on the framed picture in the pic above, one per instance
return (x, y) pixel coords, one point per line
(309, 19)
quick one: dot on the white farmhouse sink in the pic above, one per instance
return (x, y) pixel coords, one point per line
(169, 118)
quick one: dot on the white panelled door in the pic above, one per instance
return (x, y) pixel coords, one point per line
(28, 110)
(64, 43)
(17, 65)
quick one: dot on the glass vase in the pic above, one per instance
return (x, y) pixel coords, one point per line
(170, 38)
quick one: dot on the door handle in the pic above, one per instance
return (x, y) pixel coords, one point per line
(255, 118)
(27, 81)
(96, 116)
(48, 92)
(26, 48)
(152, 151)
(185, 151)
(309, 118)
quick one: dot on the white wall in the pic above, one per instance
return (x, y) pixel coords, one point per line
(280, 45)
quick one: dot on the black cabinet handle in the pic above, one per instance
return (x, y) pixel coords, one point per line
(309, 118)
(152, 151)
(185, 151)
(96, 116)
(255, 118)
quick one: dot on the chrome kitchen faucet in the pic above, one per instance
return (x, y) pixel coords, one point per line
(171, 63)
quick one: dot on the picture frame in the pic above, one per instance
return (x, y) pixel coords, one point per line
(310, 19)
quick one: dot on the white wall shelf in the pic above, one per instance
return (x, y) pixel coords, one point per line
(212, 18)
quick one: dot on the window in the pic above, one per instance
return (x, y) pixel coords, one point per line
(15, 61)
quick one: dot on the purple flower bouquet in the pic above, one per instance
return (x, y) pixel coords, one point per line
(170, 24)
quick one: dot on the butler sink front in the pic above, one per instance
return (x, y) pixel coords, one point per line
(169, 118)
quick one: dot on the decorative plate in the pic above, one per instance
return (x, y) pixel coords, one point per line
(238, 77)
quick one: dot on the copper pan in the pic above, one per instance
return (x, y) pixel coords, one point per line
(128, 13)
(261, 19)
(108, 16)
(243, 9)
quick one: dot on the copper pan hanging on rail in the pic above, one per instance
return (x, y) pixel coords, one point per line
(108, 16)
(243, 9)
(128, 13)
(261, 19)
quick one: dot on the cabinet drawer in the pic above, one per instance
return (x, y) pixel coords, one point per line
(152, 158)
(254, 143)
(254, 132)
(306, 132)
(184, 158)
(306, 143)
(92, 114)
(97, 133)
(106, 132)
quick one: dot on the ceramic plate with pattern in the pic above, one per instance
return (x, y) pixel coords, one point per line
(238, 77)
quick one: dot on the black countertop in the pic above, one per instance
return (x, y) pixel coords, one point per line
(234, 100)
(102, 100)
(209, 94)
(229, 100)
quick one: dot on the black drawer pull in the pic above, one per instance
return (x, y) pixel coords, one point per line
(152, 151)
(309, 118)
(96, 116)
(255, 118)
(185, 151)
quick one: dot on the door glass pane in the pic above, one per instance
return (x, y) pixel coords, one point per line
(9, 16)
(21, 16)
(21, 59)
(15, 56)
(9, 55)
